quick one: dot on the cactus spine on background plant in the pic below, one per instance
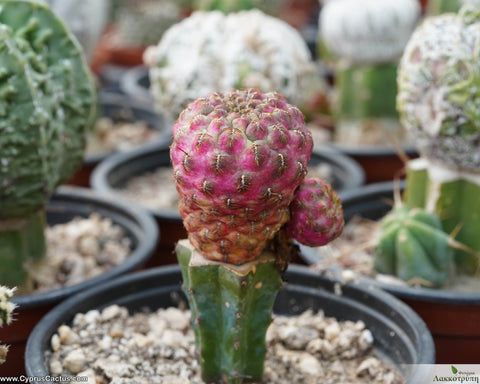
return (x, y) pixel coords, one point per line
(6, 310)
(438, 103)
(364, 41)
(47, 105)
(239, 159)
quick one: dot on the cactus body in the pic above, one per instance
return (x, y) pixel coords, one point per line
(6, 309)
(439, 89)
(316, 214)
(247, 49)
(438, 101)
(231, 311)
(451, 195)
(47, 104)
(238, 158)
(365, 40)
(437, 7)
(412, 245)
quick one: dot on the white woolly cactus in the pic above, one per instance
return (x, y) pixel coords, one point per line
(365, 40)
(213, 51)
(368, 31)
(439, 87)
(6, 310)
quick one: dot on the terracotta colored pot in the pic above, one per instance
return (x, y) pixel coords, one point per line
(399, 334)
(67, 203)
(452, 317)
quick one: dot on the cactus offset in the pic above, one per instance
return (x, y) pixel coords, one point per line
(238, 159)
(438, 102)
(316, 214)
(47, 105)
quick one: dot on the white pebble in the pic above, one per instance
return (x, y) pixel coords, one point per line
(111, 312)
(310, 365)
(66, 335)
(75, 361)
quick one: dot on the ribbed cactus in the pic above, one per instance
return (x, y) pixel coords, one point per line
(364, 40)
(6, 310)
(439, 103)
(239, 160)
(213, 51)
(47, 104)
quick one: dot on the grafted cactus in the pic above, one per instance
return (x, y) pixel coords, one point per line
(365, 39)
(238, 159)
(47, 105)
(439, 103)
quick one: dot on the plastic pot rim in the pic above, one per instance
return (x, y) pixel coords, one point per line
(135, 259)
(68, 308)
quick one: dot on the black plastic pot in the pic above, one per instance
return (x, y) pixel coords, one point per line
(135, 82)
(400, 335)
(115, 171)
(121, 108)
(67, 203)
(452, 317)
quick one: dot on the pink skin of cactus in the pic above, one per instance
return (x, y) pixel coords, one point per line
(238, 158)
(316, 214)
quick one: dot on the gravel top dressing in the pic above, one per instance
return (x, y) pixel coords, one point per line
(113, 346)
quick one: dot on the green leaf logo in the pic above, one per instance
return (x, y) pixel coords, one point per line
(454, 370)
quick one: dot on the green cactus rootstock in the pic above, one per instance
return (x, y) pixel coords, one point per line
(47, 106)
(367, 91)
(437, 7)
(453, 197)
(231, 311)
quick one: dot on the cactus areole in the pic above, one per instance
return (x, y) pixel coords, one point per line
(47, 104)
(239, 158)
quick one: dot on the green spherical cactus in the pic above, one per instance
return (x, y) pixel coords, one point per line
(47, 105)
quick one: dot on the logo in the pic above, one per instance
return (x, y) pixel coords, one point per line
(465, 374)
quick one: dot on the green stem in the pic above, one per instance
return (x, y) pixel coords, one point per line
(453, 196)
(437, 7)
(367, 91)
(231, 311)
(22, 242)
